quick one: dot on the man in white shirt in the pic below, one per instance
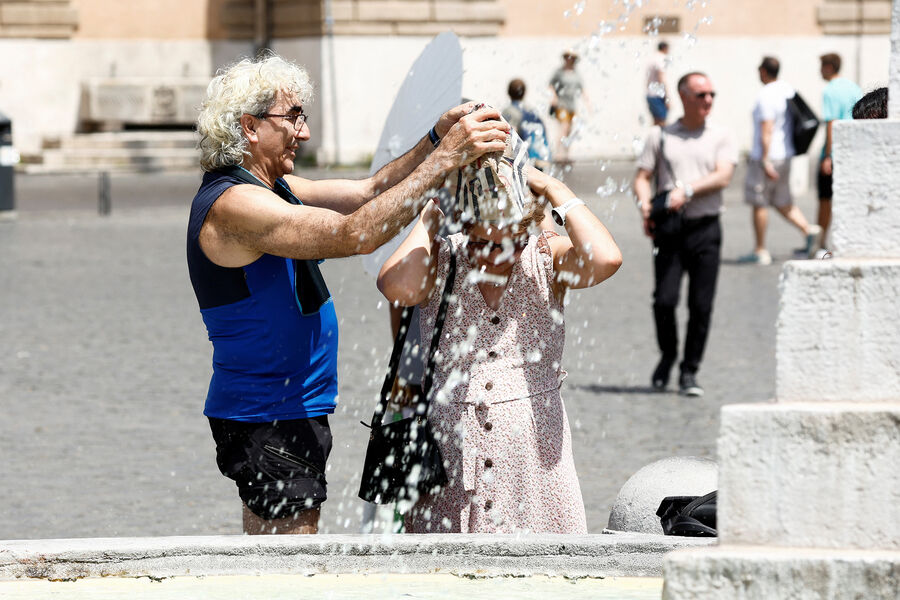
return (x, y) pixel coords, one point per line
(769, 171)
(692, 162)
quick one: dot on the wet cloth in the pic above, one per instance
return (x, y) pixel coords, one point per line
(494, 188)
(497, 411)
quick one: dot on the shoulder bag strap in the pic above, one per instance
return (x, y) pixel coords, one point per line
(400, 340)
(663, 159)
(438, 328)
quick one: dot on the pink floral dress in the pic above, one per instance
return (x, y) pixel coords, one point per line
(496, 409)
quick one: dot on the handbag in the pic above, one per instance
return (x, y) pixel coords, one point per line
(689, 515)
(663, 221)
(805, 123)
(403, 460)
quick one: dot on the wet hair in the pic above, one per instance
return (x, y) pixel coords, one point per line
(833, 60)
(248, 87)
(770, 65)
(662, 46)
(516, 89)
(530, 220)
(682, 83)
(873, 105)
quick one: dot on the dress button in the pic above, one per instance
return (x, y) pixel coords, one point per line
(492, 354)
(488, 386)
(488, 504)
(495, 319)
(488, 463)
(488, 426)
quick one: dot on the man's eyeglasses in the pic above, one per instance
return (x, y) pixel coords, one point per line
(296, 119)
(702, 95)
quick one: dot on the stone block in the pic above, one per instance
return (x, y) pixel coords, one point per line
(762, 573)
(838, 335)
(866, 201)
(144, 101)
(467, 555)
(470, 11)
(638, 500)
(821, 475)
(394, 10)
(24, 13)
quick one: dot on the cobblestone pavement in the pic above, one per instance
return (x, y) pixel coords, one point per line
(104, 362)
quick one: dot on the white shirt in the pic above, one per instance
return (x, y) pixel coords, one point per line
(655, 70)
(771, 105)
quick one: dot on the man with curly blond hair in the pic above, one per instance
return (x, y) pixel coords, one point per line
(256, 235)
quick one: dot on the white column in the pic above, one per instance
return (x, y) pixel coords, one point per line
(809, 498)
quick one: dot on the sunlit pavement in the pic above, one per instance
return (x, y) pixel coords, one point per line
(105, 362)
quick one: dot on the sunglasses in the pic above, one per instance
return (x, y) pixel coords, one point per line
(702, 95)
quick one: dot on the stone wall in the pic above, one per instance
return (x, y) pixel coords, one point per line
(37, 19)
(301, 18)
(841, 17)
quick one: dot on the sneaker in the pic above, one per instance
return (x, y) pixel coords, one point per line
(660, 378)
(813, 240)
(756, 258)
(688, 386)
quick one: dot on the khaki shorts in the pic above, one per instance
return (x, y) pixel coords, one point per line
(759, 190)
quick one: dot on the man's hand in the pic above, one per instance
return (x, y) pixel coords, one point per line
(645, 217)
(826, 166)
(677, 199)
(472, 136)
(450, 118)
(769, 170)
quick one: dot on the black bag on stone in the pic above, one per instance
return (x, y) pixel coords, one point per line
(689, 515)
(403, 460)
(805, 123)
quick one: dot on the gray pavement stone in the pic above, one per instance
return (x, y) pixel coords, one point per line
(104, 362)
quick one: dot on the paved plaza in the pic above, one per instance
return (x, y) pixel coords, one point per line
(104, 361)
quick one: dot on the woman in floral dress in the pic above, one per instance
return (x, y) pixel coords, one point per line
(496, 409)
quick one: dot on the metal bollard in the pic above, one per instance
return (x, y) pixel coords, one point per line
(104, 199)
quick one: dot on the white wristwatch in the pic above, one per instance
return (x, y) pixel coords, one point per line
(559, 213)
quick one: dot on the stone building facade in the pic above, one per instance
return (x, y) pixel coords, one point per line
(72, 52)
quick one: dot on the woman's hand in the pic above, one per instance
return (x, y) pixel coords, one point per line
(554, 190)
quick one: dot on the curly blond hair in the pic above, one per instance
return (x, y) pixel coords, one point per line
(249, 87)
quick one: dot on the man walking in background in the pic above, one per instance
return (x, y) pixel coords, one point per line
(769, 171)
(693, 161)
(657, 90)
(837, 103)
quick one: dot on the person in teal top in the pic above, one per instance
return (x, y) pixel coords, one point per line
(837, 103)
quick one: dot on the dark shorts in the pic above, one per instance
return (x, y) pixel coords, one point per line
(658, 107)
(823, 182)
(279, 467)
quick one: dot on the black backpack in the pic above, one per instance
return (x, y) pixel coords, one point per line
(805, 123)
(689, 515)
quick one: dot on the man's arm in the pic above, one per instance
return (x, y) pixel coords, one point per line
(643, 192)
(766, 128)
(347, 195)
(826, 160)
(714, 181)
(248, 221)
